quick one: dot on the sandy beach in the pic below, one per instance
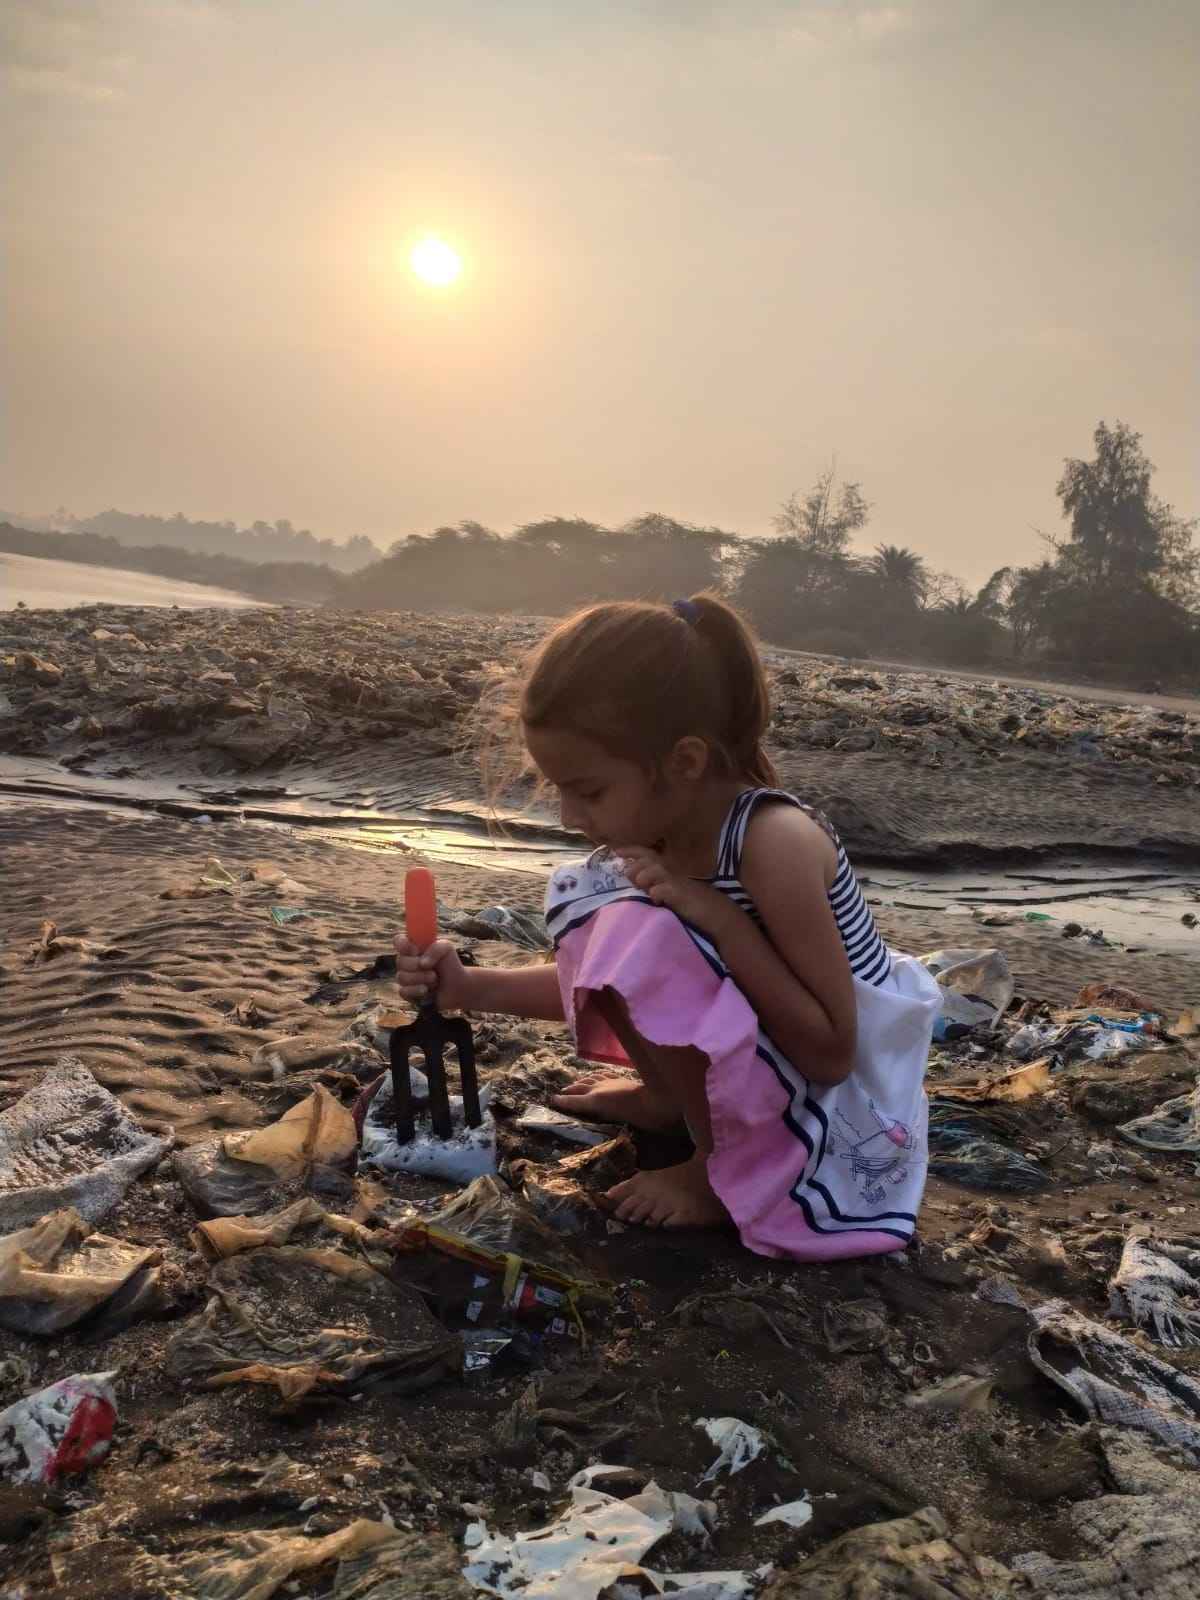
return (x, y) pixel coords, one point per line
(314, 770)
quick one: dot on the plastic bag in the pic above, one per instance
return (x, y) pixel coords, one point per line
(492, 1259)
(69, 1143)
(58, 1273)
(523, 928)
(977, 986)
(230, 1236)
(58, 1431)
(302, 1320)
(470, 1152)
(239, 1174)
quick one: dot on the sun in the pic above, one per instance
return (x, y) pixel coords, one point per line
(434, 262)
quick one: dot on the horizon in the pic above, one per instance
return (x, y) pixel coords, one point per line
(393, 267)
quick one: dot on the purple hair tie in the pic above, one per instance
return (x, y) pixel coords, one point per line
(688, 610)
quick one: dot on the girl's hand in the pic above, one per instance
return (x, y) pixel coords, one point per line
(700, 904)
(435, 970)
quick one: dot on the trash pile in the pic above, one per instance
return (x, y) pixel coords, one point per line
(352, 1353)
(941, 720)
(256, 687)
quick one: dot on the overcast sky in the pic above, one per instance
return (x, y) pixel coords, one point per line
(707, 247)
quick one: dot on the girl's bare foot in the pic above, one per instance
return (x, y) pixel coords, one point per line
(672, 1197)
(604, 1099)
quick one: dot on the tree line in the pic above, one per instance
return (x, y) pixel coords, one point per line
(1117, 594)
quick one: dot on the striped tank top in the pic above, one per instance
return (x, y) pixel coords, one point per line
(869, 957)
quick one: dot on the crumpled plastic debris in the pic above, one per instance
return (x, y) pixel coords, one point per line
(256, 1564)
(546, 1119)
(301, 1320)
(240, 1173)
(1174, 1125)
(594, 1548)
(221, 1237)
(493, 1259)
(1112, 1381)
(1157, 1287)
(58, 1273)
(795, 1514)
(977, 987)
(739, 1444)
(1022, 1083)
(69, 1143)
(961, 1391)
(468, 1154)
(522, 928)
(965, 1146)
(59, 1431)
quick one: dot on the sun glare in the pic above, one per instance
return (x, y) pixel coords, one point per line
(434, 262)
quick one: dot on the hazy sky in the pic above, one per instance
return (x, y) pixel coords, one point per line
(707, 246)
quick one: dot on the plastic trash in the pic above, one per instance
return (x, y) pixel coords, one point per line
(301, 1320)
(739, 1444)
(68, 1143)
(58, 1274)
(912, 1558)
(1174, 1125)
(795, 1514)
(1113, 1381)
(59, 1431)
(961, 1391)
(493, 1261)
(977, 986)
(966, 1146)
(1157, 1288)
(468, 1153)
(240, 1174)
(545, 1119)
(523, 928)
(282, 915)
(594, 1546)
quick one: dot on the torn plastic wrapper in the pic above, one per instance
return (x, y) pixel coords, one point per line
(512, 1264)
(739, 1444)
(58, 1274)
(240, 1174)
(468, 1154)
(303, 1320)
(594, 1549)
(977, 987)
(60, 1431)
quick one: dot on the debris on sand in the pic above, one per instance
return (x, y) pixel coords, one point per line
(69, 1144)
(1157, 1287)
(60, 1431)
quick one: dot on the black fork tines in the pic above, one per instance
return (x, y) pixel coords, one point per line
(430, 1033)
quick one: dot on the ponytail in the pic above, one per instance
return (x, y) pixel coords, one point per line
(747, 695)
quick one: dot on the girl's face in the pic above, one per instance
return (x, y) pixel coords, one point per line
(612, 801)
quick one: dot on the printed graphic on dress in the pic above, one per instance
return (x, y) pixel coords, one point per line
(876, 1157)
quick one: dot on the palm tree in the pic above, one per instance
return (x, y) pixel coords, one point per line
(901, 571)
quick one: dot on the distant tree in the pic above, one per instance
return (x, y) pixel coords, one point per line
(900, 573)
(1121, 532)
(827, 518)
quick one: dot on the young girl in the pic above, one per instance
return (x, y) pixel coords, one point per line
(716, 941)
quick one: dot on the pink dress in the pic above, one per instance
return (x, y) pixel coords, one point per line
(811, 1171)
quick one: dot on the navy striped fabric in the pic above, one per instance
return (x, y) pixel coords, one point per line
(868, 955)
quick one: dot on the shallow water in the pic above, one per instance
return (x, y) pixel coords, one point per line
(45, 585)
(1134, 905)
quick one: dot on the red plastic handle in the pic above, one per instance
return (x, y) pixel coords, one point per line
(420, 907)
